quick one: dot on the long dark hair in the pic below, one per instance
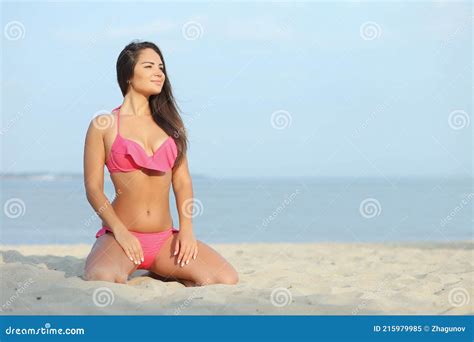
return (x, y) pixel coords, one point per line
(163, 106)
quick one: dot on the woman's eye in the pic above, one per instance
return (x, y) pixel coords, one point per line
(149, 66)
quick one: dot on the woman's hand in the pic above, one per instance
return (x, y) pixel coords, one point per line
(186, 245)
(130, 245)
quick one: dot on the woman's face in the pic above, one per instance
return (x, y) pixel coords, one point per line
(148, 76)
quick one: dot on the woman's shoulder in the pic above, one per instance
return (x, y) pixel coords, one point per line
(104, 121)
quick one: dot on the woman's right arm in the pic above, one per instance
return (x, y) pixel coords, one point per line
(94, 159)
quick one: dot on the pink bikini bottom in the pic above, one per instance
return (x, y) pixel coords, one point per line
(151, 243)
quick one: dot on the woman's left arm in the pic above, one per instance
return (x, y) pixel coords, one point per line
(186, 244)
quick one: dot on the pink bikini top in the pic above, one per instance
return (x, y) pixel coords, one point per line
(127, 155)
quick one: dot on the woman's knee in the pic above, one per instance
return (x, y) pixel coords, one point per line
(229, 277)
(104, 275)
(98, 275)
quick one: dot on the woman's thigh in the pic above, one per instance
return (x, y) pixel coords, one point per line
(108, 261)
(208, 268)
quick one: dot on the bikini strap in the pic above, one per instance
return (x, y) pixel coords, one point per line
(118, 118)
(118, 121)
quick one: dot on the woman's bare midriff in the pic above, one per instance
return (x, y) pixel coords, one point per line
(142, 196)
(142, 200)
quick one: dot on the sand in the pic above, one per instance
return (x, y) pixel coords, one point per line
(275, 279)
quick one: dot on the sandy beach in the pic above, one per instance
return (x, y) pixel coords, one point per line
(275, 279)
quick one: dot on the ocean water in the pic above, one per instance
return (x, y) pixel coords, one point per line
(48, 210)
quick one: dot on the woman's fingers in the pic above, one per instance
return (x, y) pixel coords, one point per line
(126, 248)
(134, 253)
(129, 254)
(181, 253)
(138, 248)
(190, 254)
(138, 254)
(185, 257)
(176, 247)
(185, 251)
(132, 247)
(133, 256)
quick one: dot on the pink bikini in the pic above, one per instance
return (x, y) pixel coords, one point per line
(151, 243)
(127, 155)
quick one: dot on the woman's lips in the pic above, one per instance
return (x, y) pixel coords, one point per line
(157, 82)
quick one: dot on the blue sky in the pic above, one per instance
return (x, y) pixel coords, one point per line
(306, 89)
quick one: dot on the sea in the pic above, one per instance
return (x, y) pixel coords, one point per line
(53, 209)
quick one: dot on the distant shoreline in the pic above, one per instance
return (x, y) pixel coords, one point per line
(51, 176)
(426, 244)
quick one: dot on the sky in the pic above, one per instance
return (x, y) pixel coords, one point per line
(302, 89)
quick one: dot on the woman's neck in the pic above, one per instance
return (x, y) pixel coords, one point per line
(136, 105)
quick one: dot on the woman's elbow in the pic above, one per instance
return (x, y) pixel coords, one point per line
(93, 193)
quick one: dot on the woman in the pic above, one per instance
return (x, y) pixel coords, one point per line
(143, 145)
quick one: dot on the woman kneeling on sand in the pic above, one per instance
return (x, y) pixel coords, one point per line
(143, 145)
